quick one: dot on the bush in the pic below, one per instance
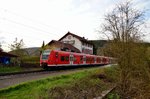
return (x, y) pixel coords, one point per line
(29, 59)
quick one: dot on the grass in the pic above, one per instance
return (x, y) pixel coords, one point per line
(113, 96)
(75, 85)
(12, 69)
(6, 69)
(26, 59)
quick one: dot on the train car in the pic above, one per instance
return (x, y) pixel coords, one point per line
(54, 58)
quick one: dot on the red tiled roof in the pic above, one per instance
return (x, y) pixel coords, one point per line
(78, 37)
(65, 45)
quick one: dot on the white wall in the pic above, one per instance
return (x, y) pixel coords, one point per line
(77, 43)
(89, 48)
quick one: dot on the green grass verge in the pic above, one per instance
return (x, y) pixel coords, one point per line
(6, 69)
(59, 86)
(13, 69)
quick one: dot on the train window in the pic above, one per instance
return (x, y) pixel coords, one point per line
(104, 59)
(75, 59)
(87, 59)
(46, 51)
(81, 58)
(95, 59)
(45, 54)
(98, 60)
(62, 58)
(44, 57)
(66, 58)
(84, 58)
(56, 54)
(92, 59)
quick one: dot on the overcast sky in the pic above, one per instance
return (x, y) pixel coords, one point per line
(36, 21)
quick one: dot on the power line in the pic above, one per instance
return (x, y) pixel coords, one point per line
(16, 14)
(32, 27)
(34, 38)
(15, 22)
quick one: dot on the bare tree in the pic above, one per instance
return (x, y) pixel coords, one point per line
(17, 47)
(123, 25)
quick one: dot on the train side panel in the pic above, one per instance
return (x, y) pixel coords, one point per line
(61, 58)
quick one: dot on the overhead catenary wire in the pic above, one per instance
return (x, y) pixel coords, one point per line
(27, 35)
(33, 41)
(44, 32)
(31, 27)
(31, 20)
(35, 37)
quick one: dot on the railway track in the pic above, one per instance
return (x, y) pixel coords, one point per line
(7, 80)
(20, 74)
(15, 73)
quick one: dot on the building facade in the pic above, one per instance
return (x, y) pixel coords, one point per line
(5, 57)
(79, 42)
(57, 45)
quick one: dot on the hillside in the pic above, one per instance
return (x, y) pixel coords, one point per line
(97, 44)
(32, 51)
(100, 43)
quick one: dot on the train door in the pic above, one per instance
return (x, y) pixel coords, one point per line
(71, 59)
(56, 58)
(84, 59)
(95, 60)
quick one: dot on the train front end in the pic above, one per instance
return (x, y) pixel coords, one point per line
(44, 59)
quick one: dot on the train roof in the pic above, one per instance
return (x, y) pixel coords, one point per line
(67, 52)
(77, 53)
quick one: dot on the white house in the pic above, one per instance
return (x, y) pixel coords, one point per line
(79, 42)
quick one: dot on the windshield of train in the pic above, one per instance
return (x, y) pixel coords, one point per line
(45, 54)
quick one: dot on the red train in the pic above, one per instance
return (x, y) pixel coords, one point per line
(61, 58)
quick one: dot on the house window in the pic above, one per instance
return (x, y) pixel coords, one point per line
(69, 37)
(83, 50)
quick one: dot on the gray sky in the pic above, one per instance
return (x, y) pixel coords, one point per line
(38, 20)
